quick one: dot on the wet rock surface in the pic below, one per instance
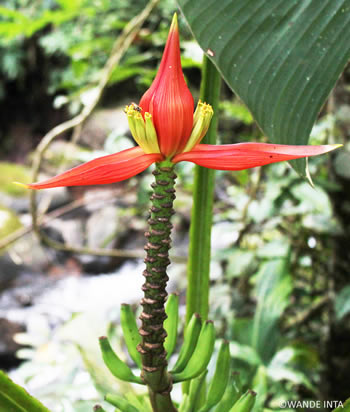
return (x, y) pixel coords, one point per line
(26, 295)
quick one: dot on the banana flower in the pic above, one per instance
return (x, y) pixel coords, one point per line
(166, 127)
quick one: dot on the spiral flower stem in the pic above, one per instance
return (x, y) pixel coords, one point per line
(153, 334)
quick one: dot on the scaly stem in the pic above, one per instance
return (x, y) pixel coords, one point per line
(202, 211)
(154, 370)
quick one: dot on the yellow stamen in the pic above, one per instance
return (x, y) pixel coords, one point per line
(201, 122)
(200, 104)
(151, 133)
(143, 131)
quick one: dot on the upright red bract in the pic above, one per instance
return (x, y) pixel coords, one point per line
(169, 100)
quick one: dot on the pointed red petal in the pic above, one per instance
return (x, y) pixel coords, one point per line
(246, 155)
(169, 100)
(106, 169)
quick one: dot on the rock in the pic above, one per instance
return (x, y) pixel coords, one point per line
(341, 164)
(59, 196)
(30, 253)
(102, 228)
(101, 123)
(8, 347)
(64, 154)
(60, 298)
(15, 203)
(71, 230)
(343, 115)
(9, 272)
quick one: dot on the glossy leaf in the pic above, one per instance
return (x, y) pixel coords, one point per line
(344, 407)
(14, 398)
(282, 58)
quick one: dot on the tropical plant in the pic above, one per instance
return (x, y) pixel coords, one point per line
(167, 132)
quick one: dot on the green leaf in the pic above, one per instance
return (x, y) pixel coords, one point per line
(70, 4)
(285, 365)
(13, 398)
(239, 263)
(282, 58)
(345, 407)
(260, 386)
(342, 303)
(273, 289)
(13, 14)
(282, 372)
(245, 353)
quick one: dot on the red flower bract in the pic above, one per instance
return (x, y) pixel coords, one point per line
(169, 100)
(166, 128)
(106, 169)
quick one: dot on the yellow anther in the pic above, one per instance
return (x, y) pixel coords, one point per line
(151, 133)
(201, 122)
(197, 112)
(142, 129)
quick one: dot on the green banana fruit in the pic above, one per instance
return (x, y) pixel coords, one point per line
(116, 366)
(131, 334)
(221, 376)
(120, 402)
(194, 395)
(232, 393)
(190, 340)
(245, 403)
(200, 358)
(170, 323)
(184, 403)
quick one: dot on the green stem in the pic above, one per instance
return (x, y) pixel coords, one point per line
(154, 363)
(202, 211)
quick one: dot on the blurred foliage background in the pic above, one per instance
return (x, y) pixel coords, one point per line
(280, 288)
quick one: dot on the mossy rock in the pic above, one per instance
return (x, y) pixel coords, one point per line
(11, 172)
(9, 222)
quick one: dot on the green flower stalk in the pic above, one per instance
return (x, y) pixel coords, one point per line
(151, 348)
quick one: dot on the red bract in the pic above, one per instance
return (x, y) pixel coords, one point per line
(165, 127)
(169, 100)
(247, 155)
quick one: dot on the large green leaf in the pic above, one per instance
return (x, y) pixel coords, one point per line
(13, 398)
(281, 57)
